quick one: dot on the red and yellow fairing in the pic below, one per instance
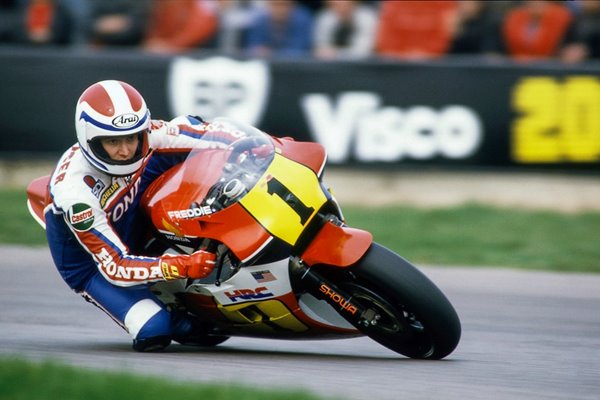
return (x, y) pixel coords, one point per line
(282, 203)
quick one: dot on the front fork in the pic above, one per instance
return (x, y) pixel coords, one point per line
(314, 283)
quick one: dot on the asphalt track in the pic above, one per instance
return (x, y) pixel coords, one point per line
(526, 335)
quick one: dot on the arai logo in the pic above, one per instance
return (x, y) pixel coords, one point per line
(125, 120)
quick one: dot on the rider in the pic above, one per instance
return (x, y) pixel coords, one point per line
(92, 222)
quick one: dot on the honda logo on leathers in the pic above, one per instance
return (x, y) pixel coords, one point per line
(219, 86)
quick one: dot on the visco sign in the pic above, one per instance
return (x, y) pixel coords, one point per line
(358, 125)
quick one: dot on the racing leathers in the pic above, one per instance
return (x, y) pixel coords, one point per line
(94, 230)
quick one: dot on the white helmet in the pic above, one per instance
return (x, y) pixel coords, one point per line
(111, 109)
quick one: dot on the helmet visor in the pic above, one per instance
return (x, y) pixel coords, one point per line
(97, 147)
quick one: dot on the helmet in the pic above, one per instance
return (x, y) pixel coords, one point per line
(111, 109)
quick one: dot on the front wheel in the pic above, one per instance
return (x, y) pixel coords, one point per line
(414, 318)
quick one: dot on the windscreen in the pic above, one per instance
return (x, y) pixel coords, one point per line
(234, 158)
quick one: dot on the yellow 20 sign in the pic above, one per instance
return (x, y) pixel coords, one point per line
(558, 122)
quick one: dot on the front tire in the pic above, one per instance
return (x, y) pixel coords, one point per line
(415, 318)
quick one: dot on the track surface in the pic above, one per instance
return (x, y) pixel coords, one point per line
(526, 335)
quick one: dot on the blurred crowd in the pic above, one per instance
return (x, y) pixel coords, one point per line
(526, 30)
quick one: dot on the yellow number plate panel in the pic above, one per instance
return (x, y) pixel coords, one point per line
(285, 199)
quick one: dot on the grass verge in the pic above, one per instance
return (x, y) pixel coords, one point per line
(481, 235)
(16, 225)
(25, 380)
(466, 235)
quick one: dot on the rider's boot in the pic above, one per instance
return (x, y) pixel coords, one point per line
(155, 343)
(188, 331)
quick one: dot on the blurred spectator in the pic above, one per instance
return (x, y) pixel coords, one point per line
(344, 29)
(79, 16)
(313, 6)
(178, 25)
(415, 29)
(37, 22)
(117, 22)
(11, 20)
(48, 22)
(283, 28)
(583, 39)
(535, 29)
(234, 20)
(477, 28)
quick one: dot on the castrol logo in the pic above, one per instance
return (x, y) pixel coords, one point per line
(125, 120)
(82, 216)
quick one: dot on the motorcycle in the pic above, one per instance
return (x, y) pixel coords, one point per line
(288, 266)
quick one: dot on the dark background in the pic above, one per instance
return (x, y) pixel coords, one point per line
(39, 89)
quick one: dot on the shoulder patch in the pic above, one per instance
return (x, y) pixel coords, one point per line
(108, 193)
(173, 130)
(96, 185)
(81, 217)
(156, 124)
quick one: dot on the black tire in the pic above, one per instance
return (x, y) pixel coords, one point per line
(417, 320)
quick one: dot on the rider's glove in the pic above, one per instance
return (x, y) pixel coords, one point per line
(196, 265)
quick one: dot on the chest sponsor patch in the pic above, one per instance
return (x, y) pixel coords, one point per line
(96, 185)
(108, 193)
(81, 217)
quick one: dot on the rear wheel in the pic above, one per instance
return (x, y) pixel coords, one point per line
(413, 317)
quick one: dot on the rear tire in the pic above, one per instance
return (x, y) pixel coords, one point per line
(416, 319)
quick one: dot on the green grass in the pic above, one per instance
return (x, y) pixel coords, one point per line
(466, 235)
(24, 380)
(481, 235)
(16, 224)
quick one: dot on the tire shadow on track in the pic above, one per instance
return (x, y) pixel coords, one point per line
(235, 352)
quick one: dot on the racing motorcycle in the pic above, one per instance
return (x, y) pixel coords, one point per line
(288, 266)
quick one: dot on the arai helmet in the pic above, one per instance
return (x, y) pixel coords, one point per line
(111, 109)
